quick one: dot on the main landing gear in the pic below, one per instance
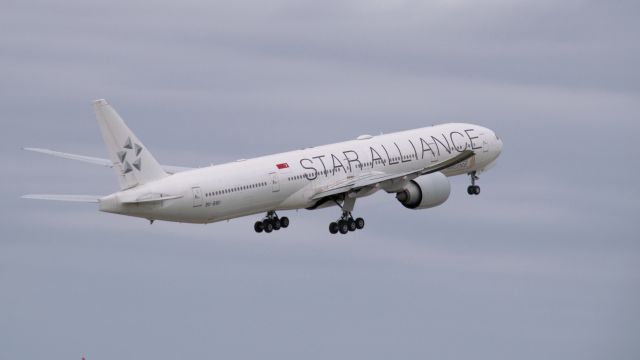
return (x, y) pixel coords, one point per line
(271, 222)
(346, 223)
(473, 189)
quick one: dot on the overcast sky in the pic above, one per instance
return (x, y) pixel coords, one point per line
(545, 264)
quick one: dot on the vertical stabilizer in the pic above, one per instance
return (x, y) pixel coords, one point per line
(133, 163)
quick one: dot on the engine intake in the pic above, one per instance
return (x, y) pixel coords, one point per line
(425, 191)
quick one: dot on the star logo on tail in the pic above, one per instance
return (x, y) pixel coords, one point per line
(136, 150)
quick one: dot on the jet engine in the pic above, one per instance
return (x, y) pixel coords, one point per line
(425, 191)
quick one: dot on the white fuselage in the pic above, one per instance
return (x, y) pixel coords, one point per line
(289, 180)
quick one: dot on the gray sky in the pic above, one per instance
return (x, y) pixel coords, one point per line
(545, 264)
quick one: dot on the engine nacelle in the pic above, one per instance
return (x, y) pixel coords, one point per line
(425, 191)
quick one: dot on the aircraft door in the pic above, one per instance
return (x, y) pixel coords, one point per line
(275, 184)
(485, 143)
(197, 196)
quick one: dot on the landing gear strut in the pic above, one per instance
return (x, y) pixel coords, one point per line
(346, 223)
(473, 189)
(271, 222)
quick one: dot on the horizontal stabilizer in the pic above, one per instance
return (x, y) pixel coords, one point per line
(72, 198)
(169, 169)
(87, 159)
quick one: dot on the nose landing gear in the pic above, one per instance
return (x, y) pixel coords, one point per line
(473, 189)
(271, 222)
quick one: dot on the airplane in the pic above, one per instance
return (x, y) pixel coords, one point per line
(414, 165)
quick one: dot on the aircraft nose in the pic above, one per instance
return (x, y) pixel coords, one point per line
(497, 145)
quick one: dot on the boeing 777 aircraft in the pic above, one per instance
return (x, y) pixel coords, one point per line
(413, 165)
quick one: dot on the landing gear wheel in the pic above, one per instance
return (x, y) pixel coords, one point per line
(276, 224)
(284, 222)
(333, 228)
(268, 226)
(343, 227)
(359, 223)
(258, 226)
(473, 189)
(352, 225)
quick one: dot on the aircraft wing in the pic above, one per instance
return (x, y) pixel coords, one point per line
(374, 178)
(98, 161)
